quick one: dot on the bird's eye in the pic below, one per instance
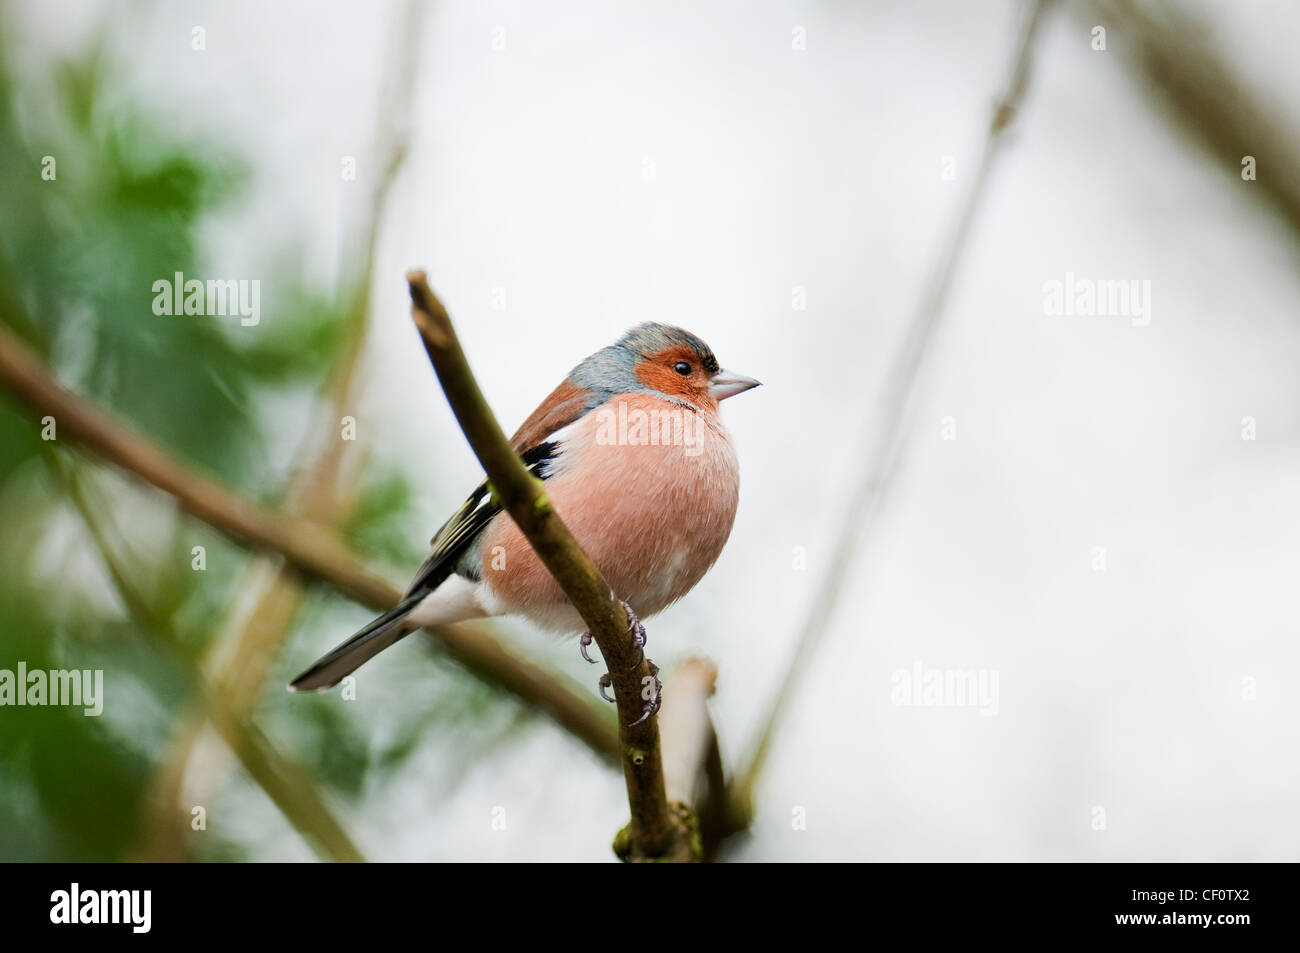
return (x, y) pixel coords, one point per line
(681, 367)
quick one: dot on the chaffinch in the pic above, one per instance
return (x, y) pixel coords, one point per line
(638, 465)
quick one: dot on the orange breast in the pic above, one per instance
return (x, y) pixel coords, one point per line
(649, 489)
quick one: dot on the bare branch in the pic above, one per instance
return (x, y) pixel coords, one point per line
(657, 831)
(686, 728)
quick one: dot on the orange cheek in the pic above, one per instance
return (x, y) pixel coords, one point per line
(656, 372)
(663, 379)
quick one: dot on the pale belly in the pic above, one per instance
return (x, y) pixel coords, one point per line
(649, 490)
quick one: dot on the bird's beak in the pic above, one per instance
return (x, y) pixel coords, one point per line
(726, 384)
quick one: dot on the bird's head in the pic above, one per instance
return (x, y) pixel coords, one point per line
(663, 360)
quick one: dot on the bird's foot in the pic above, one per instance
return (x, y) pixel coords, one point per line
(653, 688)
(634, 626)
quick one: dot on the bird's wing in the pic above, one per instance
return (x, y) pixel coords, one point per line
(464, 527)
(538, 443)
(563, 406)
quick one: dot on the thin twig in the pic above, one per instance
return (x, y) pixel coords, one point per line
(656, 831)
(886, 443)
(315, 552)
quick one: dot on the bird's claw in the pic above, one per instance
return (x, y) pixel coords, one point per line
(639, 637)
(656, 697)
(635, 627)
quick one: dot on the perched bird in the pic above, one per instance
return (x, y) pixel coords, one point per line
(637, 464)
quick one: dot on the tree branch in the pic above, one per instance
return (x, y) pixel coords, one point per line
(686, 729)
(316, 553)
(693, 772)
(657, 831)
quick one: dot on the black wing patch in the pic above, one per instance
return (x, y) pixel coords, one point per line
(460, 532)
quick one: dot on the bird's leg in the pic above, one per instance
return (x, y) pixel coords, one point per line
(639, 639)
(634, 626)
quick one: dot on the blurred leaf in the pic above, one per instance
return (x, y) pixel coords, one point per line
(301, 339)
(378, 524)
(88, 783)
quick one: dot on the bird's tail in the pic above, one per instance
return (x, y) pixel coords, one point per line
(378, 635)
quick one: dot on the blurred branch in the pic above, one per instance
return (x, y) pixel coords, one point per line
(886, 445)
(313, 551)
(692, 759)
(1209, 101)
(686, 729)
(289, 786)
(657, 831)
(255, 631)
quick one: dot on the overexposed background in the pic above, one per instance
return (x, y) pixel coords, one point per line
(680, 162)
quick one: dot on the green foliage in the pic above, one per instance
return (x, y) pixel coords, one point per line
(89, 784)
(79, 255)
(81, 252)
(378, 524)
